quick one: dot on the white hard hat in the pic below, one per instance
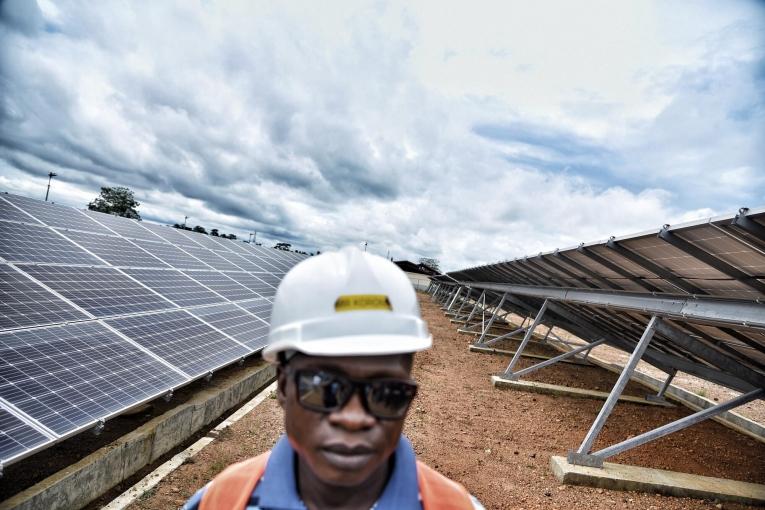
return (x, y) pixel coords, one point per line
(346, 303)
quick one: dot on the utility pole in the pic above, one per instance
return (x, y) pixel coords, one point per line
(365, 246)
(51, 175)
(184, 221)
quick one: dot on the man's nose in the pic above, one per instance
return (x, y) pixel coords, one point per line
(353, 415)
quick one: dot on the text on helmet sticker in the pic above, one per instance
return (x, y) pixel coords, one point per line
(356, 302)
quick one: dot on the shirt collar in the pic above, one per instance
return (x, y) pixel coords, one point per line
(278, 488)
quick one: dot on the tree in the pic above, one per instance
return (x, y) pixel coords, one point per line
(431, 263)
(283, 246)
(200, 229)
(116, 200)
(214, 233)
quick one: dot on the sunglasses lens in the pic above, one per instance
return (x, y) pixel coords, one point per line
(389, 399)
(322, 391)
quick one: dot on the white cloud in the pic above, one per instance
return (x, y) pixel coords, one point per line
(466, 132)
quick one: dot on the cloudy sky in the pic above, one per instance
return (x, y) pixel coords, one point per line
(469, 132)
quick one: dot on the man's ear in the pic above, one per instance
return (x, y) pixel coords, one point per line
(281, 385)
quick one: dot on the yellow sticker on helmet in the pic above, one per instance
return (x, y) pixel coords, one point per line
(356, 302)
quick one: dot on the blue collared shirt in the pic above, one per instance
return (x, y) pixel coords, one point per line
(277, 489)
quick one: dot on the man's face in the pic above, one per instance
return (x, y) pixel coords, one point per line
(346, 446)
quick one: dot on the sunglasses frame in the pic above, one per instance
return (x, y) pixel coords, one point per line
(359, 386)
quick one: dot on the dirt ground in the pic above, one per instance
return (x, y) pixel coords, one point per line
(498, 443)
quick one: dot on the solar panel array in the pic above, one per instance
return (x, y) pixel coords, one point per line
(713, 270)
(100, 313)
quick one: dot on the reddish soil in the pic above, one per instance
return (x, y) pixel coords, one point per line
(498, 443)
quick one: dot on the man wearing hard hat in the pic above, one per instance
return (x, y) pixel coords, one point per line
(344, 330)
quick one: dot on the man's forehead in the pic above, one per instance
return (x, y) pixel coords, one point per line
(397, 365)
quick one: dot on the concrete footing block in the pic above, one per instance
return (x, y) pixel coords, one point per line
(79, 484)
(566, 391)
(633, 478)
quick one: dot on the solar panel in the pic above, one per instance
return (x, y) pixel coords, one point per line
(171, 235)
(181, 339)
(175, 286)
(211, 258)
(240, 261)
(12, 213)
(70, 376)
(56, 215)
(124, 226)
(272, 279)
(253, 283)
(114, 250)
(201, 239)
(172, 255)
(16, 437)
(236, 322)
(23, 302)
(164, 297)
(260, 307)
(30, 243)
(101, 291)
(264, 263)
(222, 284)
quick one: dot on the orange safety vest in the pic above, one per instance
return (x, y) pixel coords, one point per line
(231, 489)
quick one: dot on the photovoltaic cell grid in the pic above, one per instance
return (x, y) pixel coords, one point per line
(175, 286)
(101, 291)
(126, 227)
(69, 376)
(211, 258)
(181, 339)
(254, 283)
(172, 255)
(114, 250)
(30, 243)
(9, 212)
(222, 284)
(236, 322)
(25, 303)
(16, 436)
(57, 215)
(259, 307)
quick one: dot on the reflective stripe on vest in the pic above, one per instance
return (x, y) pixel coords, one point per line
(231, 489)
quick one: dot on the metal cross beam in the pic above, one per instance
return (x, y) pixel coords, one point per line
(527, 337)
(691, 308)
(654, 268)
(710, 260)
(599, 456)
(552, 361)
(617, 269)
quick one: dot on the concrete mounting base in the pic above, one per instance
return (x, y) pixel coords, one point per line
(633, 478)
(504, 352)
(86, 480)
(554, 389)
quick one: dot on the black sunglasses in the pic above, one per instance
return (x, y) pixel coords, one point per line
(326, 392)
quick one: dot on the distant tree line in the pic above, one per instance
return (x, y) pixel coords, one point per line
(120, 201)
(199, 228)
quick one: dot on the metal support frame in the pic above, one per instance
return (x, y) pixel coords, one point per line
(493, 341)
(686, 308)
(516, 375)
(659, 397)
(581, 456)
(527, 338)
(492, 319)
(674, 426)
(742, 221)
(456, 295)
(464, 301)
